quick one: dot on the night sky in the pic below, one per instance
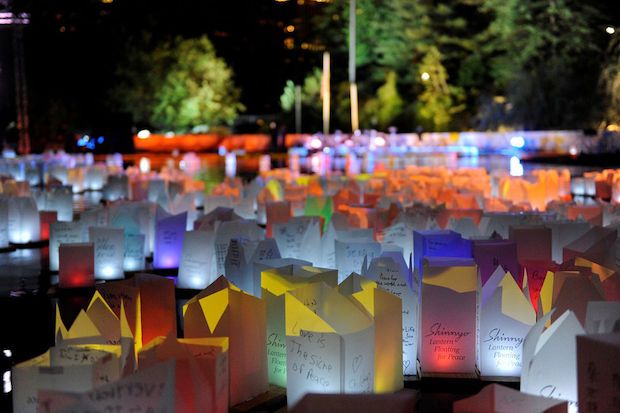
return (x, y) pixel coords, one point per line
(72, 48)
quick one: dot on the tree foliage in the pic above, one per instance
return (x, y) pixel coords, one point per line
(177, 85)
(529, 64)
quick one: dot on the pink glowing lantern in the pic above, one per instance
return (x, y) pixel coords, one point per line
(77, 265)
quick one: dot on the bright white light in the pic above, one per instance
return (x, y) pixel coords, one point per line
(25, 236)
(379, 141)
(316, 143)
(107, 271)
(573, 150)
(315, 161)
(517, 142)
(425, 76)
(145, 165)
(516, 169)
(349, 143)
(7, 353)
(6, 380)
(610, 30)
(144, 133)
(198, 282)
(169, 135)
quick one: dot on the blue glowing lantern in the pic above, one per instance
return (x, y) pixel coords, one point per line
(169, 232)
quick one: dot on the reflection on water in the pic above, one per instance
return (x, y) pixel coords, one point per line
(20, 270)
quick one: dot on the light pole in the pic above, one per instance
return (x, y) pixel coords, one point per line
(352, 81)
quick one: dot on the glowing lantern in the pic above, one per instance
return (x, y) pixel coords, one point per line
(4, 223)
(391, 274)
(439, 243)
(506, 317)
(61, 233)
(385, 309)
(24, 225)
(275, 282)
(134, 252)
(197, 262)
(550, 359)
(45, 218)
(109, 244)
(77, 265)
(448, 329)
(221, 310)
(169, 232)
(323, 322)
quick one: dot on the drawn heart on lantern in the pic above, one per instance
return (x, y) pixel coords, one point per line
(407, 363)
(357, 362)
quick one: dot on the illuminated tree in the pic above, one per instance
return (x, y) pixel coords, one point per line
(385, 106)
(179, 85)
(439, 101)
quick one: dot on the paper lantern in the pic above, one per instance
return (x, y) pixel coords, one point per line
(161, 377)
(392, 274)
(157, 190)
(60, 199)
(169, 232)
(197, 265)
(201, 370)
(133, 258)
(598, 369)
(563, 233)
(4, 223)
(550, 359)
(23, 220)
(260, 266)
(241, 254)
(439, 243)
(76, 265)
(75, 179)
(94, 178)
(221, 310)
(533, 243)
(60, 233)
(351, 256)
(149, 304)
(506, 317)
(117, 187)
(497, 398)
(45, 218)
(232, 229)
(61, 368)
(385, 309)
(322, 322)
(275, 282)
(448, 327)
(488, 254)
(109, 246)
(300, 237)
(277, 212)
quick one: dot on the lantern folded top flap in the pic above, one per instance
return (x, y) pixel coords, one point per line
(320, 308)
(447, 272)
